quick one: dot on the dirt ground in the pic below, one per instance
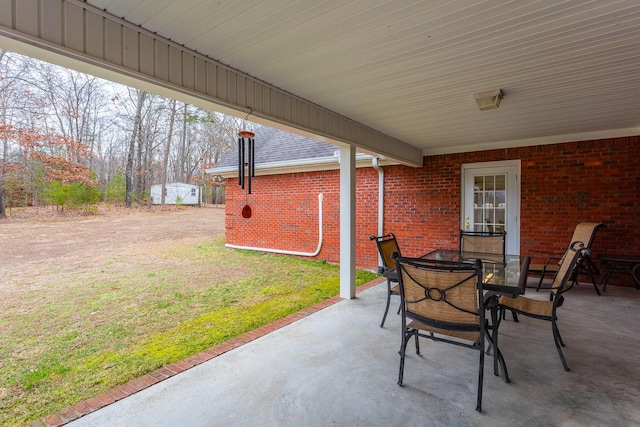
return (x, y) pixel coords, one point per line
(33, 243)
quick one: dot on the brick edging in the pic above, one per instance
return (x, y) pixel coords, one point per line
(117, 393)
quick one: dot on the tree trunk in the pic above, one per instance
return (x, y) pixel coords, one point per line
(132, 147)
(165, 161)
(139, 174)
(183, 146)
(3, 212)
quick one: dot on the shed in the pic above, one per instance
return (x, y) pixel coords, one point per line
(176, 193)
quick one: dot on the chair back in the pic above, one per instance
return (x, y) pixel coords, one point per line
(387, 247)
(483, 241)
(447, 298)
(571, 258)
(585, 232)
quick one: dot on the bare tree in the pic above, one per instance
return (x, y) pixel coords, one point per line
(167, 150)
(5, 142)
(141, 95)
(12, 90)
(129, 135)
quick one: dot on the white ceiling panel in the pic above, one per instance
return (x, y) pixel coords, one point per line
(409, 68)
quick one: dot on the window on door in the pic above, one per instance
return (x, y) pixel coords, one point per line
(489, 196)
(491, 200)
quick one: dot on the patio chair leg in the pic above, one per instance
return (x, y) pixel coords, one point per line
(559, 345)
(480, 379)
(402, 351)
(386, 309)
(558, 333)
(498, 359)
(503, 366)
(513, 314)
(590, 268)
(541, 279)
(500, 317)
(593, 280)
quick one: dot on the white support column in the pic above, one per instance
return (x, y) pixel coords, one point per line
(348, 222)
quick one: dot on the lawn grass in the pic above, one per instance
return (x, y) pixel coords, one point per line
(84, 336)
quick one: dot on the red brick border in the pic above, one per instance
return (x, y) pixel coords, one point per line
(87, 406)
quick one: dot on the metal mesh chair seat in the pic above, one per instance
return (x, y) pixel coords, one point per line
(443, 303)
(546, 310)
(467, 336)
(531, 306)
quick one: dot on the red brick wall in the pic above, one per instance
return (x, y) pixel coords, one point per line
(561, 185)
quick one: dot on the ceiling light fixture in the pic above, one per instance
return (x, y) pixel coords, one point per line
(488, 100)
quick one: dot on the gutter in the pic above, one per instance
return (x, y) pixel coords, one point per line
(285, 252)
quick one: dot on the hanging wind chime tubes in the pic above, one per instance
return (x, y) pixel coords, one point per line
(246, 139)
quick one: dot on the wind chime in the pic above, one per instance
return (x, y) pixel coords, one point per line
(246, 142)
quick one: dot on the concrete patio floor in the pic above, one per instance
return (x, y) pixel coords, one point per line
(338, 367)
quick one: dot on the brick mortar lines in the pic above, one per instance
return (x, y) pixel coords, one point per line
(87, 406)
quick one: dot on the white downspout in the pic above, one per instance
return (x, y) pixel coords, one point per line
(282, 251)
(374, 163)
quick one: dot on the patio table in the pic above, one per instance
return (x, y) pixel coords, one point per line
(619, 264)
(502, 274)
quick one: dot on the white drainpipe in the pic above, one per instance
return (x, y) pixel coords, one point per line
(374, 163)
(282, 251)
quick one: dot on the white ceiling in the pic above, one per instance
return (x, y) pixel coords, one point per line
(569, 70)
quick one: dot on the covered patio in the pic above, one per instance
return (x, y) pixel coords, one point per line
(338, 367)
(398, 83)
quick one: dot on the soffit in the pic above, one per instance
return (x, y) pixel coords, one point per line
(409, 69)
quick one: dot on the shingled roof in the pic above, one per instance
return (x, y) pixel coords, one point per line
(274, 146)
(279, 152)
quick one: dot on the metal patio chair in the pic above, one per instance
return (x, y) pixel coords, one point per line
(487, 242)
(387, 247)
(443, 303)
(547, 310)
(585, 233)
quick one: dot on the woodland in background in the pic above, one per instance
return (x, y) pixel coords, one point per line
(71, 140)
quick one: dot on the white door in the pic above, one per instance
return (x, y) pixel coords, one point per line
(491, 200)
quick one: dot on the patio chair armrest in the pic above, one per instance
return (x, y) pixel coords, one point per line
(548, 256)
(390, 273)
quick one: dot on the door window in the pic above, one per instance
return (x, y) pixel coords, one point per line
(491, 200)
(489, 203)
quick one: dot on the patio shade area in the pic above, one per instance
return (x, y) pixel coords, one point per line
(338, 367)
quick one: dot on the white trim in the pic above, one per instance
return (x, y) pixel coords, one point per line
(298, 165)
(534, 142)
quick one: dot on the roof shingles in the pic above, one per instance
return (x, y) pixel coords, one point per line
(274, 145)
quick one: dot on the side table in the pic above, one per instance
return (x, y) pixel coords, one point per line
(619, 264)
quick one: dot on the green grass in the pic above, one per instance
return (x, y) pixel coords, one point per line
(82, 337)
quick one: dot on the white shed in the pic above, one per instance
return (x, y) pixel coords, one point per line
(176, 193)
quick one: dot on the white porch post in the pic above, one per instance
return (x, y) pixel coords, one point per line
(348, 222)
